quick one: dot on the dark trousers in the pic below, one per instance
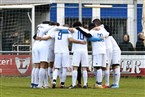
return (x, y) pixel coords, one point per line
(79, 74)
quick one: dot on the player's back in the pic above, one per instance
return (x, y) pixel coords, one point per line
(40, 32)
(79, 36)
(99, 47)
(108, 42)
(43, 29)
(61, 42)
(49, 42)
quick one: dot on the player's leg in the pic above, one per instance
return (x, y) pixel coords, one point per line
(106, 70)
(35, 71)
(75, 64)
(60, 75)
(97, 63)
(65, 65)
(46, 84)
(106, 74)
(57, 66)
(32, 77)
(42, 73)
(116, 76)
(63, 77)
(51, 63)
(36, 74)
(43, 64)
(50, 71)
(85, 65)
(85, 77)
(116, 69)
(74, 76)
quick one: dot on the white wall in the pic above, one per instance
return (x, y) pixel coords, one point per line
(60, 14)
(95, 13)
(130, 24)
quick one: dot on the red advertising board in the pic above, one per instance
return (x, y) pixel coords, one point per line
(15, 65)
(21, 65)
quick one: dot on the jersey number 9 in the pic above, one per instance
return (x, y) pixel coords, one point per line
(59, 36)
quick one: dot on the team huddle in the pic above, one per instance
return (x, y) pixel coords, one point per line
(50, 54)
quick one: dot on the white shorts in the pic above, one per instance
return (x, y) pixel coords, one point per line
(108, 56)
(116, 57)
(61, 60)
(51, 55)
(35, 55)
(99, 60)
(43, 53)
(80, 57)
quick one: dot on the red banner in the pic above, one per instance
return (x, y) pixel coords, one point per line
(21, 65)
(15, 65)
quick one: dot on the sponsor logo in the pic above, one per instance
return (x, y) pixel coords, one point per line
(22, 64)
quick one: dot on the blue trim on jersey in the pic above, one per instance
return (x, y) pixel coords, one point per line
(94, 39)
(64, 31)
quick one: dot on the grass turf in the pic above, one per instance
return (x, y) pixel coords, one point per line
(19, 87)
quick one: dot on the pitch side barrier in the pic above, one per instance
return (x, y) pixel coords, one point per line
(19, 63)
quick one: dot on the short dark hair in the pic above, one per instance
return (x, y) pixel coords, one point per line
(91, 26)
(108, 29)
(97, 22)
(46, 22)
(52, 23)
(77, 24)
(57, 24)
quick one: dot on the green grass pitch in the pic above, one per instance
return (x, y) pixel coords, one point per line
(20, 87)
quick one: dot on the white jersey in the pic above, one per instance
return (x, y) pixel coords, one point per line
(108, 42)
(49, 42)
(77, 35)
(43, 29)
(115, 45)
(99, 47)
(61, 42)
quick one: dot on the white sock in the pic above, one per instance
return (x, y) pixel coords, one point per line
(60, 75)
(85, 77)
(116, 76)
(46, 78)
(33, 76)
(74, 77)
(36, 76)
(107, 75)
(63, 77)
(41, 76)
(55, 73)
(99, 76)
(50, 74)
